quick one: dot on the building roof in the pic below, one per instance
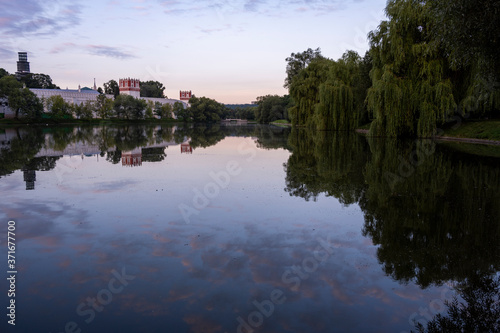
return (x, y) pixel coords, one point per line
(67, 90)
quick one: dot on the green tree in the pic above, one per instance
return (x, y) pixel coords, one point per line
(104, 107)
(8, 84)
(180, 112)
(412, 92)
(469, 30)
(3, 73)
(128, 107)
(41, 81)
(112, 88)
(304, 90)
(298, 61)
(342, 96)
(22, 101)
(150, 105)
(164, 111)
(77, 110)
(247, 112)
(271, 108)
(205, 110)
(26, 104)
(152, 89)
(88, 109)
(58, 108)
(149, 111)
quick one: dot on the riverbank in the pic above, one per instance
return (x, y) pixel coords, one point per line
(56, 122)
(281, 123)
(486, 132)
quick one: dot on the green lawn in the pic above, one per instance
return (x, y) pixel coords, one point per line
(487, 129)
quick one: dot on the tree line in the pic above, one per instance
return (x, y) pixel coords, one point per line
(429, 61)
(25, 104)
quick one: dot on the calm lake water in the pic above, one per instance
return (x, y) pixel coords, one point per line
(240, 228)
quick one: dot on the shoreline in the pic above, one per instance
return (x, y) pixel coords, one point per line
(452, 139)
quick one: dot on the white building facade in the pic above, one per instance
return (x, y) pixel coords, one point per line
(127, 86)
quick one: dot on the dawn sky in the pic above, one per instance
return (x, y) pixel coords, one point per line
(231, 51)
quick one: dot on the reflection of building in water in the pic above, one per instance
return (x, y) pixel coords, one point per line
(29, 178)
(186, 148)
(132, 158)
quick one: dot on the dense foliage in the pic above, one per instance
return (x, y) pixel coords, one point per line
(329, 95)
(112, 88)
(21, 100)
(242, 111)
(152, 89)
(298, 61)
(34, 80)
(430, 60)
(271, 108)
(201, 110)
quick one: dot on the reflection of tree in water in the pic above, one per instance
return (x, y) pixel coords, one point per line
(271, 137)
(433, 213)
(43, 163)
(438, 223)
(326, 162)
(114, 156)
(201, 135)
(23, 147)
(478, 312)
(111, 140)
(153, 154)
(60, 137)
(130, 137)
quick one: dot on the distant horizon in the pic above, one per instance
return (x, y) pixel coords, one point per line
(232, 52)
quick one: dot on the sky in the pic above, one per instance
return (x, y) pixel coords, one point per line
(230, 51)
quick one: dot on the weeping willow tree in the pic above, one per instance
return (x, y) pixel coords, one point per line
(304, 90)
(480, 92)
(337, 108)
(326, 94)
(411, 89)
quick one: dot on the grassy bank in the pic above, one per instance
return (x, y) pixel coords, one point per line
(281, 122)
(486, 130)
(483, 130)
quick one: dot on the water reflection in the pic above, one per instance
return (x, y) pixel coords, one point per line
(433, 212)
(477, 311)
(435, 215)
(38, 149)
(331, 231)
